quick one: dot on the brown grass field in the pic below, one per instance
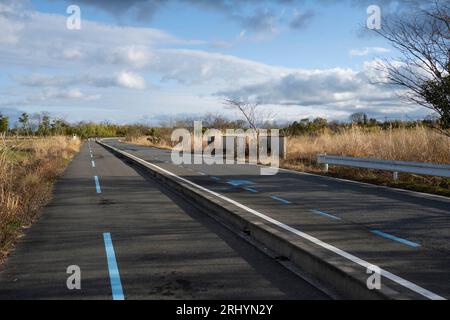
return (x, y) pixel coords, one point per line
(419, 144)
(28, 169)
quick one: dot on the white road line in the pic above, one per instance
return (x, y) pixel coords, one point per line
(281, 200)
(324, 214)
(403, 282)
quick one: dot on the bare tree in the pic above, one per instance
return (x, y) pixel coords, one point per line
(358, 117)
(255, 116)
(216, 121)
(423, 39)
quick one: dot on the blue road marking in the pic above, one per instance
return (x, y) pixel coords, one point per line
(250, 189)
(114, 275)
(280, 199)
(97, 185)
(239, 182)
(215, 178)
(325, 214)
(391, 237)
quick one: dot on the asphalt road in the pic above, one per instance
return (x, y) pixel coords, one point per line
(405, 233)
(133, 239)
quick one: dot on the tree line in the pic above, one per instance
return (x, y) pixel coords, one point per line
(44, 125)
(315, 126)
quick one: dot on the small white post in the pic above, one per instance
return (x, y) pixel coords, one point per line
(325, 165)
(395, 175)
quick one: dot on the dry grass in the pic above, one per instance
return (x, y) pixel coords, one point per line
(28, 168)
(147, 141)
(417, 144)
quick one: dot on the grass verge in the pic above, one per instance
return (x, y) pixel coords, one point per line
(419, 144)
(28, 169)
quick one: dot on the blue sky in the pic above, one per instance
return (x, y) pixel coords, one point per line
(155, 59)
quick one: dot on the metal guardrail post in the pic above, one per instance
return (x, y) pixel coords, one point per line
(325, 166)
(395, 176)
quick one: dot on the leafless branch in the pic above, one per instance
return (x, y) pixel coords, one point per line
(424, 68)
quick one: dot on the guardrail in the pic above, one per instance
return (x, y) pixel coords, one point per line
(439, 170)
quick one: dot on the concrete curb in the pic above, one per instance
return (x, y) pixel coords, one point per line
(343, 276)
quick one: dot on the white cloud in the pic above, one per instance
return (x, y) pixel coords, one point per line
(123, 79)
(367, 50)
(10, 28)
(130, 80)
(104, 56)
(39, 80)
(336, 91)
(134, 56)
(62, 94)
(30, 37)
(72, 53)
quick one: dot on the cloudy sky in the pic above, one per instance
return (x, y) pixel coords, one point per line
(160, 59)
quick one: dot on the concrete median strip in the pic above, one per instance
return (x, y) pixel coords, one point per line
(332, 266)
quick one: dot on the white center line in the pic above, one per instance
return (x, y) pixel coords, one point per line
(281, 200)
(324, 214)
